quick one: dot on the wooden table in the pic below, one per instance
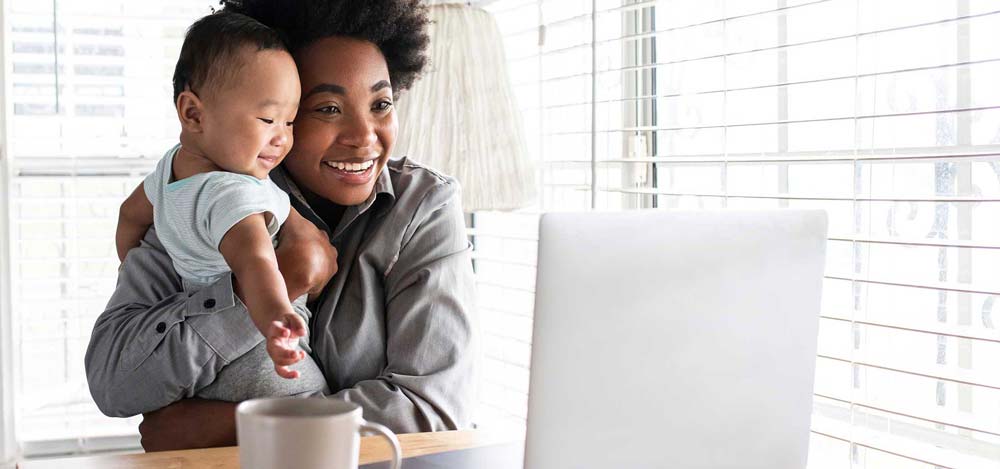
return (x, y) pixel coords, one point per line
(373, 449)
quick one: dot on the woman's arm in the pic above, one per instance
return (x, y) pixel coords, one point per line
(153, 344)
(429, 381)
(134, 364)
(306, 258)
(134, 218)
(187, 424)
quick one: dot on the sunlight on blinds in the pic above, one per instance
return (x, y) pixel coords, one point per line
(885, 113)
(90, 112)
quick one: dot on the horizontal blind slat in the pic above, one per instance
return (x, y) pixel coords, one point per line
(901, 414)
(510, 236)
(501, 260)
(890, 156)
(942, 199)
(776, 122)
(743, 88)
(493, 283)
(910, 373)
(982, 338)
(876, 448)
(962, 244)
(950, 287)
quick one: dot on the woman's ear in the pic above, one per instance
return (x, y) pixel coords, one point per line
(190, 111)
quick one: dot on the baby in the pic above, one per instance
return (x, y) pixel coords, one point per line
(236, 90)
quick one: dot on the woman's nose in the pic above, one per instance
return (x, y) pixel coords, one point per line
(359, 133)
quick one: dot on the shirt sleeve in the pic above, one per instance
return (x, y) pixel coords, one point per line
(152, 184)
(429, 383)
(153, 344)
(231, 200)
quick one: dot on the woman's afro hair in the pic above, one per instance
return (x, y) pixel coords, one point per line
(397, 27)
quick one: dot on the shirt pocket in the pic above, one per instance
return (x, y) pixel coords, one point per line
(151, 334)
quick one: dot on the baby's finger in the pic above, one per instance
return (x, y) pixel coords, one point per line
(282, 354)
(286, 372)
(282, 346)
(286, 361)
(278, 329)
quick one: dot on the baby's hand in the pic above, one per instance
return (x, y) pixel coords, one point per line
(282, 338)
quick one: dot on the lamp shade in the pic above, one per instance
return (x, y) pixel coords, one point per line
(460, 117)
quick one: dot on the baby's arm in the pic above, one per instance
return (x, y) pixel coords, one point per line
(248, 251)
(134, 218)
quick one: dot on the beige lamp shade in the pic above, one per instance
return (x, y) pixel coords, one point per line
(461, 118)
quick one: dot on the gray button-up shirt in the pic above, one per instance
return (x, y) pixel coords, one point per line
(394, 330)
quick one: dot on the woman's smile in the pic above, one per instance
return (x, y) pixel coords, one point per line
(351, 173)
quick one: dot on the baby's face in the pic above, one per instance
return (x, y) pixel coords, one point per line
(247, 122)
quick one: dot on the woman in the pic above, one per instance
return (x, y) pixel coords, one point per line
(393, 330)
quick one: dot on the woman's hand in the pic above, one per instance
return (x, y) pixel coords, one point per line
(306, 258)
(189, 423)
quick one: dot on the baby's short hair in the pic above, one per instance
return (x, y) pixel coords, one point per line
(210, 56)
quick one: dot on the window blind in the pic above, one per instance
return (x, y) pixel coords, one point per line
(884, 113)
(88, 112)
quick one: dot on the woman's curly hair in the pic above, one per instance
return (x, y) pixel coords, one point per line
(397, 27)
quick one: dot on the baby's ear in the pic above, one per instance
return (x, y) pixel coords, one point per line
(189, 111)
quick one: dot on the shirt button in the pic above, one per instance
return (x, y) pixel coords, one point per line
(209, 303)
(161, 327)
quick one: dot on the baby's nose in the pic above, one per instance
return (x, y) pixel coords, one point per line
(280, 139)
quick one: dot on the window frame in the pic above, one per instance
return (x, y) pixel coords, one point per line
(8, 443)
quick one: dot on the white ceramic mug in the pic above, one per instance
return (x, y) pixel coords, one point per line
(304, 433)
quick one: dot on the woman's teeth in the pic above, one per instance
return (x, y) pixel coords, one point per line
(352, 167)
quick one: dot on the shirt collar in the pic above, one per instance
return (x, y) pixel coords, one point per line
(383, 190)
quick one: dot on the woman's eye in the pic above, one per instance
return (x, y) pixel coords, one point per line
(329, 110)
(266, 121)
(382, 106)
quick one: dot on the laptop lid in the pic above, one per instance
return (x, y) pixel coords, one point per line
(675, 339)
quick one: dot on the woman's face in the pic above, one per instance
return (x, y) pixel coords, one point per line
(346, 123)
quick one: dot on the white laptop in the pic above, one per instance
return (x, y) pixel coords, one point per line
(675, 339)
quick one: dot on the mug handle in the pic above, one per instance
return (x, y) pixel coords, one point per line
(372, 427)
